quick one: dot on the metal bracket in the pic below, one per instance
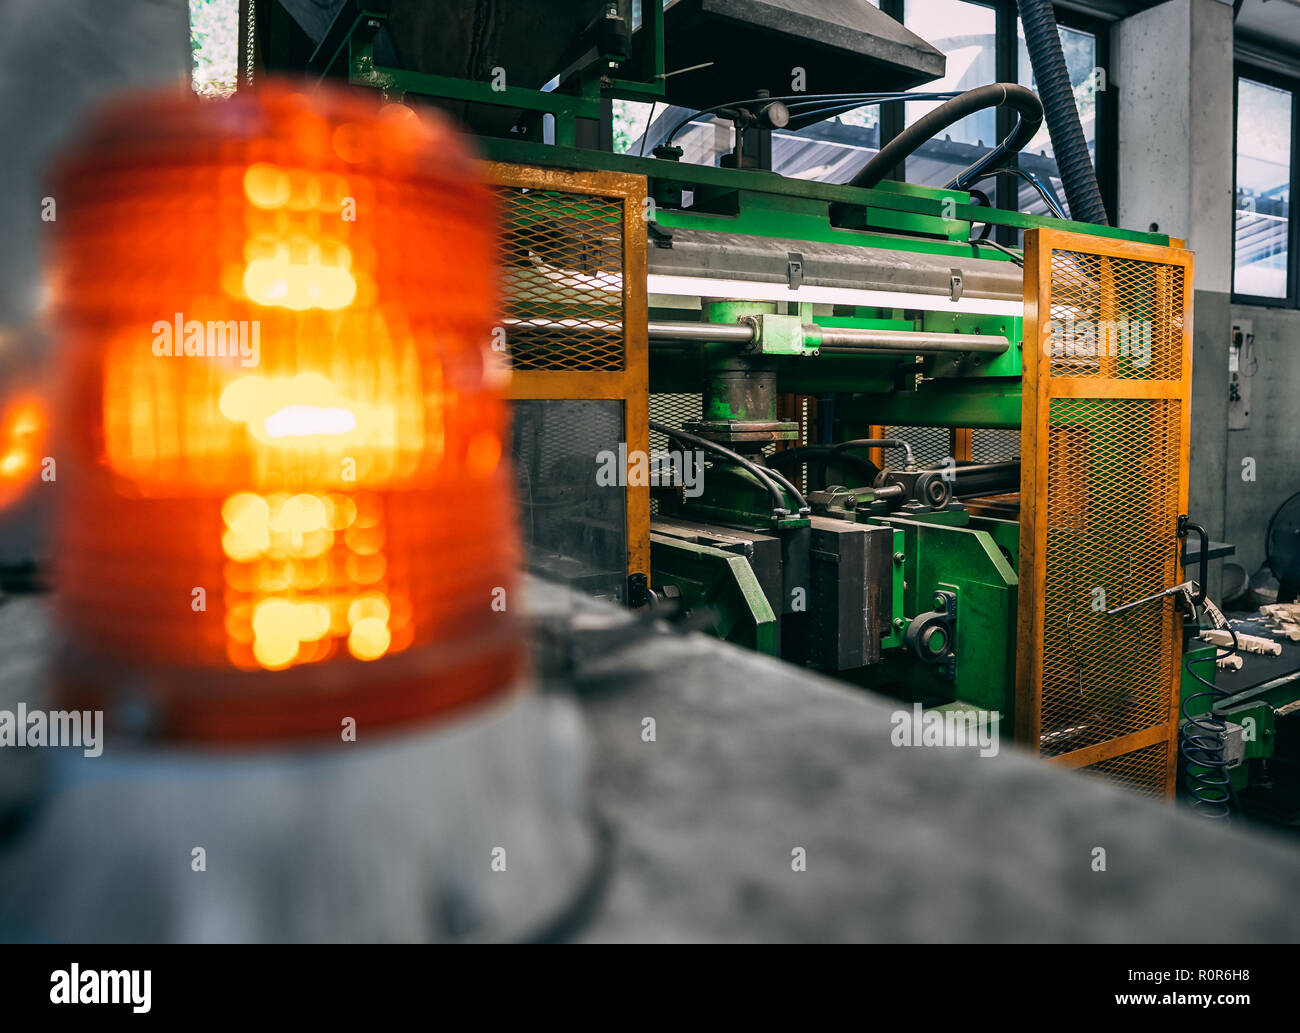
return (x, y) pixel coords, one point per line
(661, 237)
(954, 284)
(921, 632)
(778, 335)
(794, 270)
(638, 591)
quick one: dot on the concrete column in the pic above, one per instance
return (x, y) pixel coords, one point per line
(1173, 75)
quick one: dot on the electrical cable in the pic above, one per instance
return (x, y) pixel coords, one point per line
(648, 123)
(800, 101)
(1053, 204)
(1018, 259)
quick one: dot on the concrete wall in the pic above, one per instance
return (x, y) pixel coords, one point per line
(1273, 437)
(1174, 75)
(57, 59)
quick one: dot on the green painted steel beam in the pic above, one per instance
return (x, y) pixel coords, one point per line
(939, 403)
(940, 204)
(450, 88)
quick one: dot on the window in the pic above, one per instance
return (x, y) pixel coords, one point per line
(1262, 269)
(214, 43)
(1037, 159)
(983, 45)
(967, 34)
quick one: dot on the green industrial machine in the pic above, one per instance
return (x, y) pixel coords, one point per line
(758, 352)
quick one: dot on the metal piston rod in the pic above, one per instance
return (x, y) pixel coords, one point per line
(835, 339)
(851, 340)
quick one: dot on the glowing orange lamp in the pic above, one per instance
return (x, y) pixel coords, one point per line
(284, 496)
(23, 425)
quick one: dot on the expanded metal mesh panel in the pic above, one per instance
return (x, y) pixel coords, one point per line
(562, 255)
(675, 410)
(994, 446)
(1144, 771)
(573, 524)
(1109, 515)
(930, 445)
(1116, 318)
(572, 254)
(1103, 482)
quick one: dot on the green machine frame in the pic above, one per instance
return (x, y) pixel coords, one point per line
(965, 560)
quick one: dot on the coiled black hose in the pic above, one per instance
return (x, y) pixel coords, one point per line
(1079, 178)
(1205, 775)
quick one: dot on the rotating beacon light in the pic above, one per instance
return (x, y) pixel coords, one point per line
(22, 436)
(285, 500)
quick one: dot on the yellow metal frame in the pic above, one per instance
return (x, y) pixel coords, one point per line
(1040, 387)
(631, 384)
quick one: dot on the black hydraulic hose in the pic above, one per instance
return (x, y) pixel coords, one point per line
(813, 455)
(1078, 176)
(788, 485)
(874, 443)
(763, 476)
(1024, 102)
(833, 451)
(983, 199)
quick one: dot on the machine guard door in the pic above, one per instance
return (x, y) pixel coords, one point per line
(1105, 411)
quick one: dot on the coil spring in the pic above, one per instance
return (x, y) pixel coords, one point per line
(1201, 743)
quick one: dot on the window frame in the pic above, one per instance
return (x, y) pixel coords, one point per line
(1006, 189)
(1267, 77)
(1006, 60)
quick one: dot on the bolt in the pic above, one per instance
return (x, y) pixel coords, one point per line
(938, 602)
(899, 623)
(899, 557)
